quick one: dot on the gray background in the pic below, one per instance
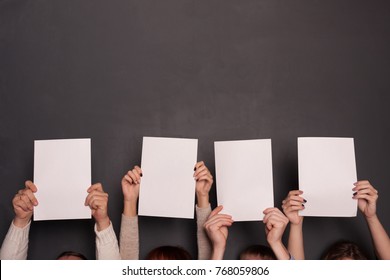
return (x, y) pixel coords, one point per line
(115, 71)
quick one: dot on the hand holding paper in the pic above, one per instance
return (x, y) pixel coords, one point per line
(24, 203)
(62, 172)
(327, 171)
(130, 189)
(244, 178)
(97, 201)
(204, 181)
(168, 186)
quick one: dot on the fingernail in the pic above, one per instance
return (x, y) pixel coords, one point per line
(355, 193)
(194, 168)
(140, 174)
(304, 200)
(303, 205)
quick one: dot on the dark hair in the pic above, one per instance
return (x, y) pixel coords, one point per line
(260, 251)
(71, 254)
(168, 253)
(344, 250)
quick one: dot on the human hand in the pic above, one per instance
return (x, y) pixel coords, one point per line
(130, 188)
(23, 203)
(367, 197)
(130, 184)
(216, 228)
(97, 200)
(204, 181)
(275, 224)
(292, 204)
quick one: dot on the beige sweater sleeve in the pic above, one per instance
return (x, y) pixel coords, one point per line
(107, 244)
(15, 244)
(129, 238)
(204, 245)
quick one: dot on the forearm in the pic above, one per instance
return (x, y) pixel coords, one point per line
(129, 238)
(106, 244)
(380, 238)
(15, 244)
(217, 253)
(204, 246)
(279, 250)
(130, 208)
(295, 241)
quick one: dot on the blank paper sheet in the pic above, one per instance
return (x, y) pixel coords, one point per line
(244, 178)
(168, 186)
(62, 174)
(327, 171)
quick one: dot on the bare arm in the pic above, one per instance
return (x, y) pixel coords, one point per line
(367, 197)
(291, 205)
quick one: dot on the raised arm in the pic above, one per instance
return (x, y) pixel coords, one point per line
(129, 236)
(204, 181)
(106, 242)
(275, 224)
(291, 205)
(367, 197)
(15, 244)
(217, 230)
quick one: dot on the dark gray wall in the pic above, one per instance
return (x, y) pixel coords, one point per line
(118, 70)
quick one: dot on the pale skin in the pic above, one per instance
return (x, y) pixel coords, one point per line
(291, 205)
(275, 224)
(216, 227)
(132, 179)
(25, 201)
(97, 200)
(367, 197)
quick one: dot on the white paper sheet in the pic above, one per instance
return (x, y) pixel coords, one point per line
(168, 186)
(62, 174)
(327, 171)
(244, 178)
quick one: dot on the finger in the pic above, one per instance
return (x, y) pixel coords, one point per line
(133, 176)
(200, 169)
(30, 195)
(206, 177)
(27, 202)
(219, 217)
(369, 191)
(363, 187)
(271, 209)
(18, 202)
(137, 175)
(292, 203)
(294, 208)
(369, 198)
(98, 204)
(128, 179)
(216, 211)
(97, 186)
(30, 185)
(95, 195)
(138, 169)
(294, 193)
(198, 164)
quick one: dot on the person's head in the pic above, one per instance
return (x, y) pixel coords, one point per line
(168, 253)
(344, 250)
(257, 252)
(70, 255)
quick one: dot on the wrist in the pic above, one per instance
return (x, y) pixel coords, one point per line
(371, 219)
(203, 201)
(130, 209)
(217, 253)
(103, 224)
(21, 222)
